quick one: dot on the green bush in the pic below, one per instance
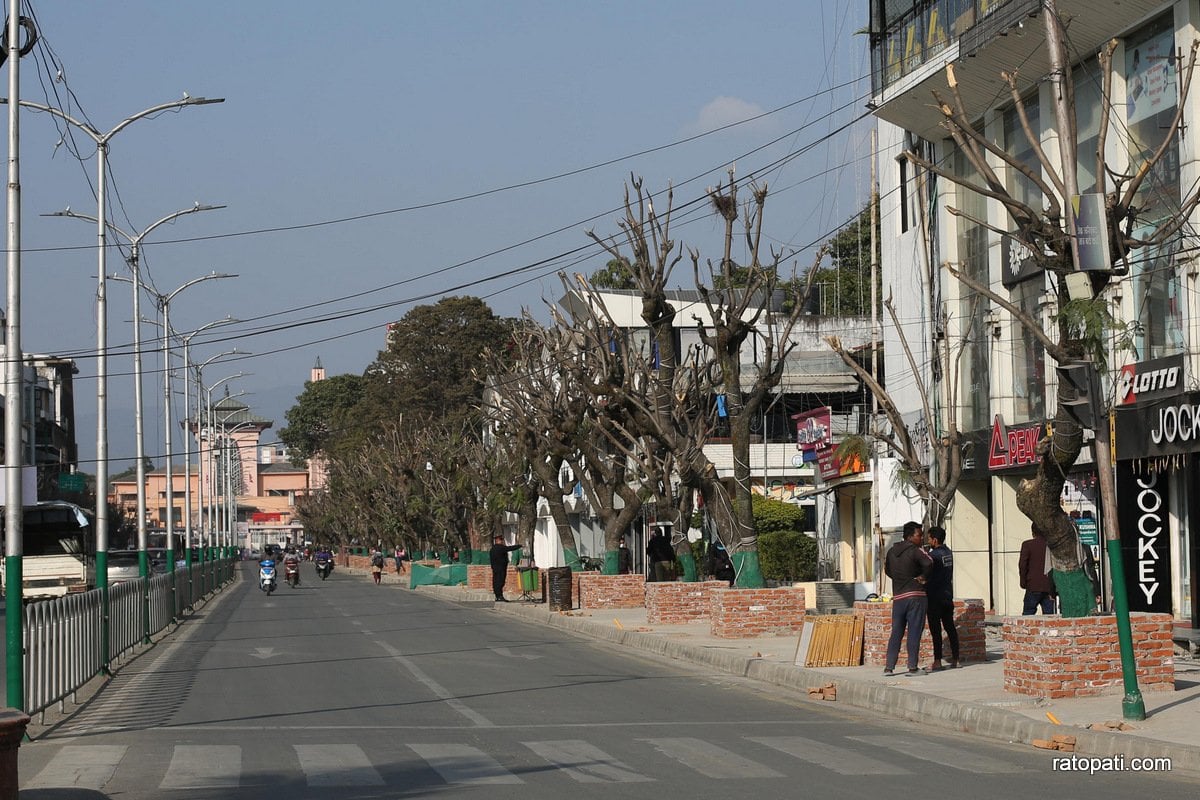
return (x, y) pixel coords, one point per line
(772, 515)
(787, 556)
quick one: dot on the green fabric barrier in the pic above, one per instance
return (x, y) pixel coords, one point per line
(480, 557)
(612, 562)
(465, 555)
(449, 575)
(688, 562)
(1076, 595)
(571, 557)
(514, 557)
(749, 571)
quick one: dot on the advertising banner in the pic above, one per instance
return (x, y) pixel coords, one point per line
(1145, 538)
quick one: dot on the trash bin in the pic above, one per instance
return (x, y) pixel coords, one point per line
(529, 581)
(558, 588)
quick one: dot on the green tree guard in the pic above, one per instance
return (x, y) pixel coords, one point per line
(480, 557)
(1076, 595)
(611, 562)
(688, 562)
(749, 573)
(572, 559)
(465, 556)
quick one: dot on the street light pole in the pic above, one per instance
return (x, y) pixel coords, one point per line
(134, 260)
(101, 140)
(203, 424)
(212, 475)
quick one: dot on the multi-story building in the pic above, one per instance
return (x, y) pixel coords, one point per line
(1005, 386)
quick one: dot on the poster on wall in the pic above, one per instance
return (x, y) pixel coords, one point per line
(1145, 537)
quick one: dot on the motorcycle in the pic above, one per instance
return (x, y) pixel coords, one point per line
(291, 573)
(324, 567)
(266, 576)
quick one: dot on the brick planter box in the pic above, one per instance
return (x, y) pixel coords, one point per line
(609, 591)
(877, 628)
(479, 576)
(676, 603)
(746, 613)
(1048, 656)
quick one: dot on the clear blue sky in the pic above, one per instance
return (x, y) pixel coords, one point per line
(391, 112)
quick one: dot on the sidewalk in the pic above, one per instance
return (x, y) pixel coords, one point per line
(969, 699)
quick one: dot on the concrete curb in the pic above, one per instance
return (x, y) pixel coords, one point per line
(954, 715)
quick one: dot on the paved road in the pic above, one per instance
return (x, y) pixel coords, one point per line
(347, 690)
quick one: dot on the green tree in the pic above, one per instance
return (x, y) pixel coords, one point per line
(322, 416)
(786, 552)
(616, 274)
(427, 371)
(844, 287)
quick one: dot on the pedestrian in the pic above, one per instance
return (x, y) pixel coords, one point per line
(498, 556)
(624, 558)
(661, 556)
(909, 567)
(398, 555)
(719, 564)
(376, 565)
(940, 597)
(1034, 570)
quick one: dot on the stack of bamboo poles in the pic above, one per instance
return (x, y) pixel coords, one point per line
(837, 641)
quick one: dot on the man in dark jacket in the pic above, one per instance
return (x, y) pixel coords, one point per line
(661, 556)
(940, 594)
(1035, 578)
(498, 557)
(909, 567)
(624, 558)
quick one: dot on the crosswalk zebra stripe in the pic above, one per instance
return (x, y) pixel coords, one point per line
(831, 757)
(81, 767)
(710, 760)
(336, 765)
(585, 762)
(204, 766)
(460, 763)
(946, 755)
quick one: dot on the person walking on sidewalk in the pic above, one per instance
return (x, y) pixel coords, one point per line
(377, 565)
(1034, 574)
(498, 557)
(940, 597)
(909, 567)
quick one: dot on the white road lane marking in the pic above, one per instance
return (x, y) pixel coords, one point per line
(204, 766)
(80, 767)
(946, 755)
(838, 759)
(441, 692)
(711, 760)
(460, 763)
(585, 762)
(336, 765)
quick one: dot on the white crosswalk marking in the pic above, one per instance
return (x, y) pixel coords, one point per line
(204, 766)
(829, 756)
(585, 763)
(710, 760)
(80, 766)
(945, 755)
(460, 763)
(336, 765)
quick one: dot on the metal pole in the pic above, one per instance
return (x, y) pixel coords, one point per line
(13, 392)
(139, 424)
(165, 306)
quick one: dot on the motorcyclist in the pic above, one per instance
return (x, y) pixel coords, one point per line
(323, 559)
(291, 561)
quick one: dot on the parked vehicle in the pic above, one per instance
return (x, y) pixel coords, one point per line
(266, 575)
(122, 566)
(59, 555)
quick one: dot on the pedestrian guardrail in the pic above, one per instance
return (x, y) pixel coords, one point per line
(63, 636)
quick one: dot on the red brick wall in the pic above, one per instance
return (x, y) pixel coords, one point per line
(877, 627)
(675, 602)
(479, 576)
(610, 591)
(745, 613)
(1048, 656)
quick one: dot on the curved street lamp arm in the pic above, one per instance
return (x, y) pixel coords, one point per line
(102, 138)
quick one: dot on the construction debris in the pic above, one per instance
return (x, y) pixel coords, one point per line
(826, 692)
(1111, 725)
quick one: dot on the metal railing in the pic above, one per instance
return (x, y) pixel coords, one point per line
(62, 637)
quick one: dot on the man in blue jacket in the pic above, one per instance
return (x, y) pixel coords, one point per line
(940, 594)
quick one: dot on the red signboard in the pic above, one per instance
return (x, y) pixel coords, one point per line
(1013, 447)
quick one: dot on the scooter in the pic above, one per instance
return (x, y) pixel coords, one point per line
(291, 573)
(266, 576)
(324, 567)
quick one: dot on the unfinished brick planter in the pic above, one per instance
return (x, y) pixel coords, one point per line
(746, 613)
(479, 576)
(677, 603)
(1048, 656)
(877, 628)
(610, 591)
